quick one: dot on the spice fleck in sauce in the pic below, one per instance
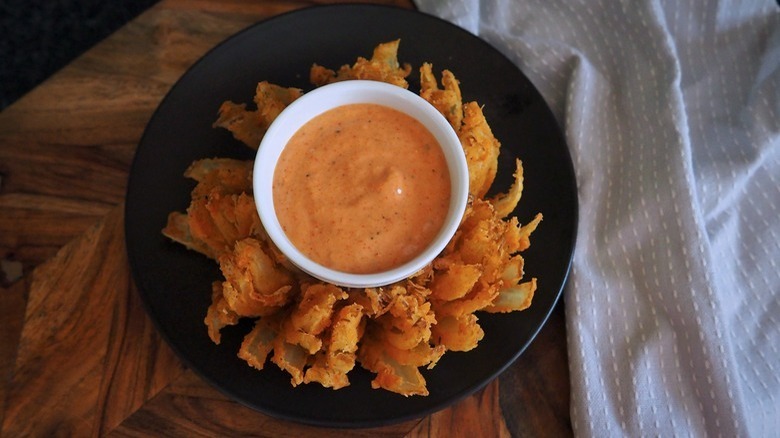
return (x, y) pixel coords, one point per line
(362, 188)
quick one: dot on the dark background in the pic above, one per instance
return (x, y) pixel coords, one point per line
(39, 37)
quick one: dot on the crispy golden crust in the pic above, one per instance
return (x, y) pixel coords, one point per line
(447, 100)
(319, 332)
(254, 284)
(505, 203)
(338, 355)
(481, 149)
(219, 315)
(249, 126)
(221, 212)
(383, 66)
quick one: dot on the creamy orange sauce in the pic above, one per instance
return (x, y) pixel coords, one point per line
(362, 188)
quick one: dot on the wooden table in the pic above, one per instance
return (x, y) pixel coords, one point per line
(78, 355)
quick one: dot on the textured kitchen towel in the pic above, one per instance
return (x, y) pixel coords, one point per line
(671, 110)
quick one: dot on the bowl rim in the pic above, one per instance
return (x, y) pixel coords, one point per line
(334, 95)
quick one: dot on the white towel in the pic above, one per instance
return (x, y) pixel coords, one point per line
(671, 110)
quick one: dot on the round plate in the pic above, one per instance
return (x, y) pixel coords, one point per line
(175, 284)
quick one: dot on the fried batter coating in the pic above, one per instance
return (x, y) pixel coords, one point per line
(390, 375)
(338, 357)
(514, 298)
(272, 99)
(219, 314)
(213, 223)
(505, 203)
(383, 66)
(226, 175)
(423, 354)
(480, 241)
(318, 332)
(458, 333)
(525, 233)
(220, 212)
(479, 270)
(481, 149)
(481, 296)
(368, 299)
(254, 285)
(291, 358)
(399, 343)
(178, 230)
(219, 221)
(455, 281)
(376, 301)
(258, 344)
(448, 101)
(513, 271)
(250, 126)
(312, 315)
(407, 322)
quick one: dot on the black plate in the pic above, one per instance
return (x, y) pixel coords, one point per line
(175, 283)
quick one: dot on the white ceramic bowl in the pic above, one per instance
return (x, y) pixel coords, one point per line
(334, 95)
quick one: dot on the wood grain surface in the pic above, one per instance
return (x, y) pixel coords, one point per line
(78, 355)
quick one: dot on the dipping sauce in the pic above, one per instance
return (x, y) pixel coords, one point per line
(362, 188)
